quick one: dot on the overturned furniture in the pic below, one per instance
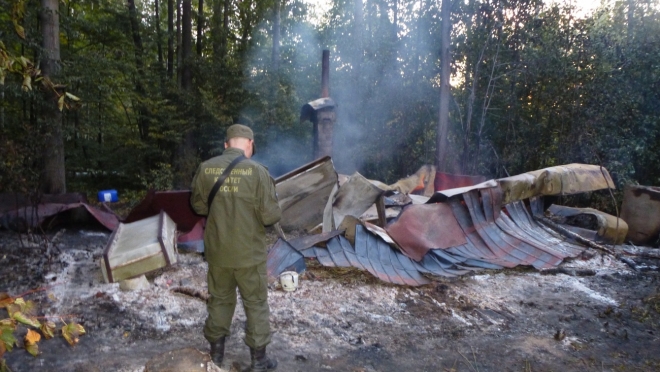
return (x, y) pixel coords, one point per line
(139, 247)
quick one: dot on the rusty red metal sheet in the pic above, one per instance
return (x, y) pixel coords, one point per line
(12, 201)
(29, 216)
(425, 226)
(175, 203)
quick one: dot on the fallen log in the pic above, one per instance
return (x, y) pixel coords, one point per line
(567, 271)
(643, 252)
(564, 231)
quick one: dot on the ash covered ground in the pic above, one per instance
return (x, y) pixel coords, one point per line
(344, 319)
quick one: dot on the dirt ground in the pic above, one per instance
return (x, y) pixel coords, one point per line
(343, 319)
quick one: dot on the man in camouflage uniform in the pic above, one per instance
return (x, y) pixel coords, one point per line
(235, 244)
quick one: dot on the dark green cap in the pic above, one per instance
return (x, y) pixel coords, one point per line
(240, 130)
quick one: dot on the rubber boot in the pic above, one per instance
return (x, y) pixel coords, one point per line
(218, 351)
(260, 362)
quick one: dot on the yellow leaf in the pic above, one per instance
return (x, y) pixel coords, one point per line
(20, 302)
(48, 329)
(20, 31)
(22, 318)
(52, 297)
(60, 102)
(30, 308)
(32, 349)
(11, 309)
(32, 337)
(27, 83)
(72, 97)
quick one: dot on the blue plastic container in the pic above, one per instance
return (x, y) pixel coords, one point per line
(108, 196)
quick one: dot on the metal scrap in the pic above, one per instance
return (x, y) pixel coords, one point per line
(591, 223)
(26, 217)
(354, 197)
(304, 192)
(641, 210)
(420, 228)
(282, 257)
(484, 226)
(560, 180)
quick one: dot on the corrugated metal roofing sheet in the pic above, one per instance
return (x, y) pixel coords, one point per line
(422, 227)
(282, 256)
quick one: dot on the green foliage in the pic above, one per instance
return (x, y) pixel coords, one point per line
(21, 314)
(533, 86)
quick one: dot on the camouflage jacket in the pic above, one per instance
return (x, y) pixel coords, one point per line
(245, 203)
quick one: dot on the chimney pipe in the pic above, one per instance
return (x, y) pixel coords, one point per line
(325, 74)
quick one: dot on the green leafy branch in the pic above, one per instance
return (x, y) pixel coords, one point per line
(30, 73)
(21, 312)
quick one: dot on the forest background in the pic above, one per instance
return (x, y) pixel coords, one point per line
(130, 95)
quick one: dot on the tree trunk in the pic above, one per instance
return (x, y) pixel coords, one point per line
(54, 180)
(186, 45)
(186, 157)
(225, 28)
(158, 36)
(443, 120)
(216, 27)
(170, 38)
(275, 57)
(200, 26)
(179, 63)
(359, 47)
(142, 115)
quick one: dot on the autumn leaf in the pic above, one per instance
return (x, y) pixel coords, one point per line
(27, 320)
(7, 338)
(32, 349)
(3, 349)
(48, 329)
(30, 308)
(23, 61)
(72, 332)
(32, 337)
(7, 323)
(60, 102)
(20, 31)
(11, 309)
(27, 83)
(72, 97)
(5, 299)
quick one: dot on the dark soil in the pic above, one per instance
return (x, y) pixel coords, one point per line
(343, 320)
